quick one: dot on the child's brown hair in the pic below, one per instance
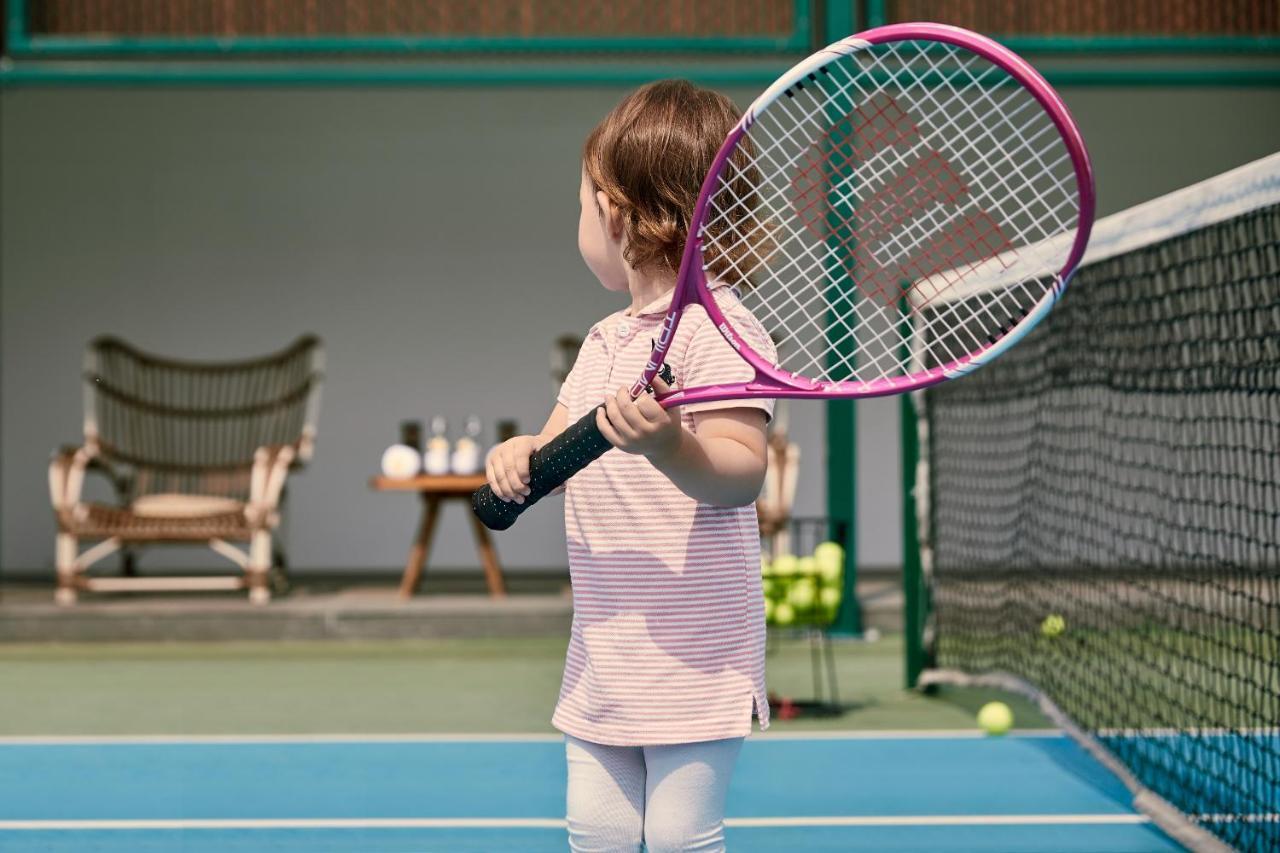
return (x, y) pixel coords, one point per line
(649, 155)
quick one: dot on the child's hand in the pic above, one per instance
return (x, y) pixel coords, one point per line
(507, 467)
(640, 426)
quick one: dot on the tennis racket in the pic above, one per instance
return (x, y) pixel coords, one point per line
(900, 208)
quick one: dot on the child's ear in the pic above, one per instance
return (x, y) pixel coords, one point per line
(611, 214)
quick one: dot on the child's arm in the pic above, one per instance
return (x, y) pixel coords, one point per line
(507, 466)
(722, 463)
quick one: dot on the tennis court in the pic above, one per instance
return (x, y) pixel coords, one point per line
(1022, 792)
(992, 290)
(240, 746)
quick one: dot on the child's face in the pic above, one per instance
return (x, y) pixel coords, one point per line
(596, 241)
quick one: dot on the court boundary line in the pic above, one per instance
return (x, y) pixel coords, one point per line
(848, 821)
(410, 737)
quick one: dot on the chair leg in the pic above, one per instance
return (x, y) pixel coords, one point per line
(259, 567)
(65, 553)
(129, 563)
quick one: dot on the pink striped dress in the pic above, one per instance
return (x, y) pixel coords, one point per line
(667, 644)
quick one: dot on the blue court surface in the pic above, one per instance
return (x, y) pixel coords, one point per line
(942, 791)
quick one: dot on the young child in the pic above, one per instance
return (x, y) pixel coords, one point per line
(665, 664)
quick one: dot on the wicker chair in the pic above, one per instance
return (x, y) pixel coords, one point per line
(196, 452)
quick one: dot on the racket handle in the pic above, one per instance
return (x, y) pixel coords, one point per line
(549, 467)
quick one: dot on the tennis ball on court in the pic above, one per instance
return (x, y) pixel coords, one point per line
(783, 614)
(803, 594)
(995, 718)
(1053, 625)
(785, 565)
(807, 566)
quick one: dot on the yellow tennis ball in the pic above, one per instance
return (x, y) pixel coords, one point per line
(995, 718)
(1053, 625)
(803, 594)
(785, 565)
(807, 567)
(830, 597)
(830, 556)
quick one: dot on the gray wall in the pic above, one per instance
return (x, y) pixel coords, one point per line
(427, 234)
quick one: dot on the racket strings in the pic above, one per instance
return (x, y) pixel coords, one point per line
(880, 199)
(1005, 114)
(806, 275)
(1007, 190)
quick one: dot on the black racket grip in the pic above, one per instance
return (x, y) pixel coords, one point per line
(549, 467)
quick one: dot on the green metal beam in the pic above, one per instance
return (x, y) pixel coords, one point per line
(459, 73)
(23, 43)
(877, 14)
(62, 46)
(1139, 44)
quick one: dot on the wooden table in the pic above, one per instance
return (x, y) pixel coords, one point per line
(433, 490)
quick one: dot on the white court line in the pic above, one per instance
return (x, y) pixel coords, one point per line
(556, 823)
(900, 734)
(65, 740)
(905, 734)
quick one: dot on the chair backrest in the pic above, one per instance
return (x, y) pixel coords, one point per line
(192, 427)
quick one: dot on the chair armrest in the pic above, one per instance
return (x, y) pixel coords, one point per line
(266, 482)
(306, 447)
(66, 476)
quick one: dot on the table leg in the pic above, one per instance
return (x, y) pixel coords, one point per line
(421, 546)
(488, 559)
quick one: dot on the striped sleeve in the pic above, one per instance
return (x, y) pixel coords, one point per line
(710, 360)
(569, 387)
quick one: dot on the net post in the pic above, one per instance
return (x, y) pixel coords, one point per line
(16, 34)
(914, 597)
(842, 514)
(914, 600)
(876, 13)
(839, 20)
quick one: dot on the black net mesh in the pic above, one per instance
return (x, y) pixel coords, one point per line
(1103, 518)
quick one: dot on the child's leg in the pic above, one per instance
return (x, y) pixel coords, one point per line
(605, 800)
(686, 789)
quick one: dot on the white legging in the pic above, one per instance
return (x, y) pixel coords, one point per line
(667, 798)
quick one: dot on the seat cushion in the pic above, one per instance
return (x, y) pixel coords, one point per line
(184, 506)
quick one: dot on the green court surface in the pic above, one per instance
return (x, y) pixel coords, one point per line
(424, 686)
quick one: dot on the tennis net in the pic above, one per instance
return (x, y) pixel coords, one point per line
(1097, 513)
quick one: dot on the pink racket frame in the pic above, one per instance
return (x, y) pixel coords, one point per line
(770, 381)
